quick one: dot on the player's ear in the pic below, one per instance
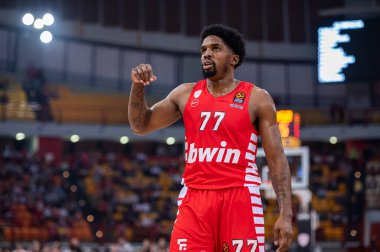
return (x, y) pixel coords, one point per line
(235, 59)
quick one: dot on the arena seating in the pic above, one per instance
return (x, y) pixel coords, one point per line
(73, 107)
(17, 106)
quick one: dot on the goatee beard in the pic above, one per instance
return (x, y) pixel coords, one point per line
(209, 73)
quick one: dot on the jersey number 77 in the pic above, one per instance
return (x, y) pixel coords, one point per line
(206, 115)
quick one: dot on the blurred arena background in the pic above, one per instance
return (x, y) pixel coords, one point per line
(73, 177)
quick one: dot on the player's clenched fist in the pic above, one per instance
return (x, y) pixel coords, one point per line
(143, 74)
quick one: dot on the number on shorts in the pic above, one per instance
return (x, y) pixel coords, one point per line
(239, 244)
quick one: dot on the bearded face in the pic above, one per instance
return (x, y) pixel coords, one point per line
(209, 69)
(216, 57)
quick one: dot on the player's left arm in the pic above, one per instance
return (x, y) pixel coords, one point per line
(278, 166)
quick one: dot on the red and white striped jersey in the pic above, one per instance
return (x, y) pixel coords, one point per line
(221, 142)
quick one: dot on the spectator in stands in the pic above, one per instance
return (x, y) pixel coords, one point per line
(74, 245)
(36, 246)
(162, 245)
(37, 93)
(146, 246)
(3, 105)
(123, 245)
(336, 113)
(373, 243)
(19, 248)
(54, 247)
(45, 113)
(35, 79)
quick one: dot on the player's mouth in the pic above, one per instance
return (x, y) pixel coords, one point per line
(207, 65)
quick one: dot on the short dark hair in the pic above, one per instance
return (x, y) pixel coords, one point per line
(230, 36)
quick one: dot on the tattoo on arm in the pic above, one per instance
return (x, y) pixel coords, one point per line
(138, 110)
(282, 187)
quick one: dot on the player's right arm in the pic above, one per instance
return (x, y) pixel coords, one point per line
(144, 119)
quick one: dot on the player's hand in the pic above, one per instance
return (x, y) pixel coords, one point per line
(283, 233)
(143, 74)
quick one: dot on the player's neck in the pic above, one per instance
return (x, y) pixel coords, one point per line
(222, 86)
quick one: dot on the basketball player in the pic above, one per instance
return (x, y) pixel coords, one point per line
(220, 207)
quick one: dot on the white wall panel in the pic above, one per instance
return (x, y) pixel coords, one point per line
(132, 59)
(273, 78)
(12, 45)
(53, 55)
(30, 50)
(331, 90)
(301, 80)
(247, 72)
(79, 59)
(107, 63)
(165, 68)
(191, 69)
(330, 94)
(3, 44)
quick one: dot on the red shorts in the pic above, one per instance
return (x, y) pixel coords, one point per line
(225, 220)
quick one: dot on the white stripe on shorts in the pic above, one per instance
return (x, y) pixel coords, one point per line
(254, 138)
(257, 210)
(252, 147)
(254, 190)
(261, 239)
(252, 178)
(250, 156)
(252, 165)
(251, 170)
(255, 200)
(183, 192)
(258, 220)
(259, 230)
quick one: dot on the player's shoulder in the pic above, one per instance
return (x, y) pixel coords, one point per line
(187, 86)
(181, 92)
(184, 88)
(261, 101)
(260, 94)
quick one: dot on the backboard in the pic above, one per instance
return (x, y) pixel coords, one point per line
(299, 165)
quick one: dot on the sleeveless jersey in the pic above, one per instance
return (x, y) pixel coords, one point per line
(220, 140)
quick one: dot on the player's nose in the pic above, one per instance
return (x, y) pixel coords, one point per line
(207, 54)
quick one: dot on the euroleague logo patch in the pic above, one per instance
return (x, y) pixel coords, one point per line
(225, 246)
(239, 97)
